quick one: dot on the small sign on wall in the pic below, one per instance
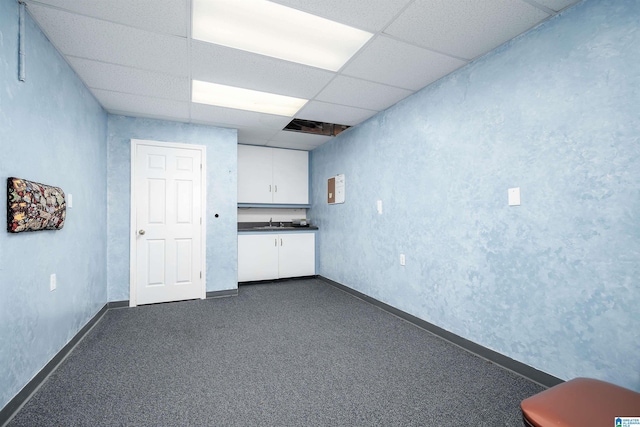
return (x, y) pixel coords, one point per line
(336, 189)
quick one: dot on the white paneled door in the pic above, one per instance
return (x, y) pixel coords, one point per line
(167, 223)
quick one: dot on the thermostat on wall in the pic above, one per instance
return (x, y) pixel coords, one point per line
(335, 189)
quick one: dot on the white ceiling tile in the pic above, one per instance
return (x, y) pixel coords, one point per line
(332, 113)
(238, 118)
(404, 65)
(556, 5)
(136, 105)
(464, 28)
(360, 93)
(252, 141)
(297, 140)
(117, 78)
(255, 136)
(292, 145)
(208, 123)
(160, 16)
(91, 38)
(371, 15)
(299, 137)
(219, 64)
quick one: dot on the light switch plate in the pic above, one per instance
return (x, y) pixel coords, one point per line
(379, 206)
(69, 200)
(514, 196)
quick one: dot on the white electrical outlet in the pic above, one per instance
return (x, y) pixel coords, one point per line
(52, 282)
(379, 206)
(402, 260)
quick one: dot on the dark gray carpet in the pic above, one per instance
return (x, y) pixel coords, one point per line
(295, 353)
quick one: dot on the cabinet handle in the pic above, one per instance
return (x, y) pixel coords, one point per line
(275, 242)
(269, 188)
(280, 242)
(276, 189)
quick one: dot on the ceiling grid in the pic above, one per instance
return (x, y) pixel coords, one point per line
(138, 58)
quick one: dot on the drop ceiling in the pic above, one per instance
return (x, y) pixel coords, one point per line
(138, 58)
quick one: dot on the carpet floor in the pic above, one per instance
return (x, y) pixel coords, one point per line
(292, 353)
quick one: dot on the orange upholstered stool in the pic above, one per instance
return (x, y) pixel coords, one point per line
(581, 402)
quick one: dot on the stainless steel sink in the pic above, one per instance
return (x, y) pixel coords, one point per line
(273, 227)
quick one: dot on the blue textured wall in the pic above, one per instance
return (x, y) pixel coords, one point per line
(553, 283)
(53, 131)
(222, 196)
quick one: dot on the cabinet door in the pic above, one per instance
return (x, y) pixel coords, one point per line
(255, 174)
(290, 176)
(297, 255)
(258, 257)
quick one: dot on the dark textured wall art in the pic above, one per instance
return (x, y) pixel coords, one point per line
(32, 206)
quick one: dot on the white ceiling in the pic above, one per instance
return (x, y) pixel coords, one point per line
(138, 58)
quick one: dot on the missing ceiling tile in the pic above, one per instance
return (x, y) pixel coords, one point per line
(316, 128)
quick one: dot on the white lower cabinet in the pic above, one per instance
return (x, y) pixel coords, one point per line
(257, 257)
(297, 255)
(275, 256)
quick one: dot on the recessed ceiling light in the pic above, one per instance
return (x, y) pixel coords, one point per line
(271, 29)
(245, 99)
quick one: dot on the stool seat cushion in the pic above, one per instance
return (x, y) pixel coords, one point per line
(581, 402)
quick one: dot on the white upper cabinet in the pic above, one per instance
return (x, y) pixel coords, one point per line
(272, 175)
(255, 174)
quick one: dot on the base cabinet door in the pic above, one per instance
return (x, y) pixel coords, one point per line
(275, 256)
(257, 257)
(297, 255)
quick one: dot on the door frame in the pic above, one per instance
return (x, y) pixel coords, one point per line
(133, 211)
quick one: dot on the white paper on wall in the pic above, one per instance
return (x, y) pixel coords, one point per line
(340, 188)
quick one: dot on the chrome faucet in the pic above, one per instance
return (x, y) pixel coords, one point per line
(270, 219)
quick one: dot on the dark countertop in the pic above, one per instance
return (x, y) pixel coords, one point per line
(264, 227)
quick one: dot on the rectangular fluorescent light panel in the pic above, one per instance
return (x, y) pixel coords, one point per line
(270, 29)
(245, 99)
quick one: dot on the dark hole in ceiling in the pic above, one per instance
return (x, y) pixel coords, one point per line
(317, 128)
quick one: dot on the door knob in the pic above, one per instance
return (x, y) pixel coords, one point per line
(141, 232)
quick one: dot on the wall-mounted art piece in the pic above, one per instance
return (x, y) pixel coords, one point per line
(32, 206)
